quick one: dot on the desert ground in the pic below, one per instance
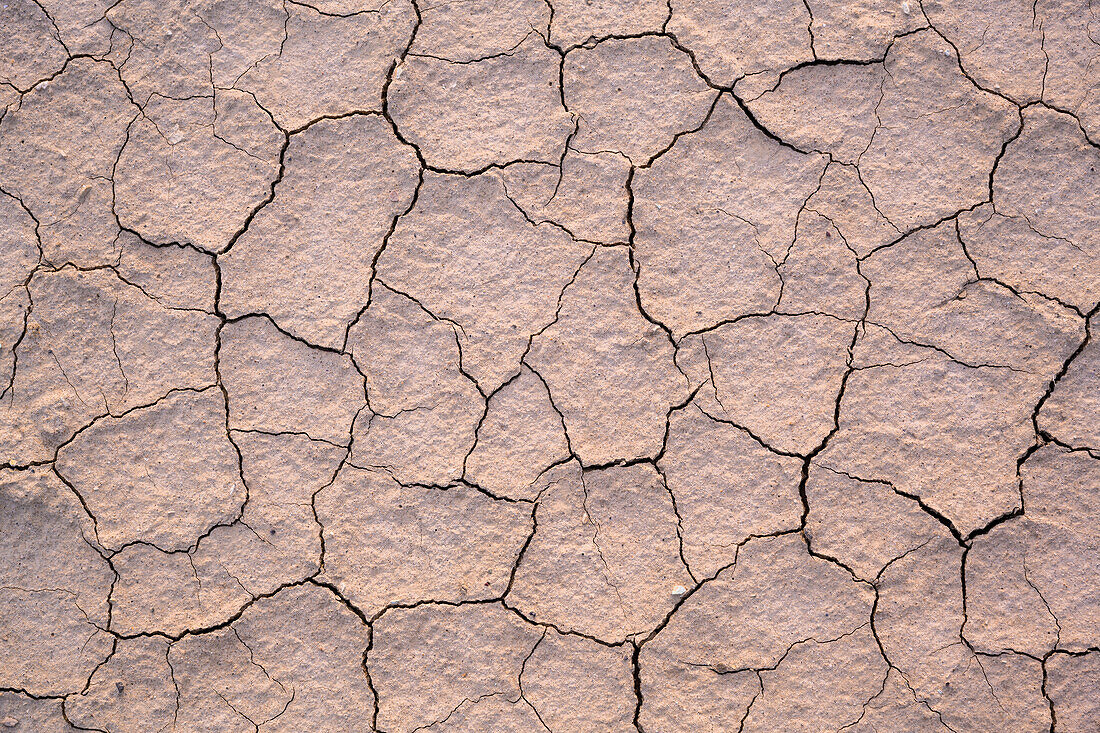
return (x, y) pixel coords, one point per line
(567, 366)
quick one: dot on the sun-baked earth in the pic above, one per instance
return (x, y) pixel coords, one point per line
(565, 366)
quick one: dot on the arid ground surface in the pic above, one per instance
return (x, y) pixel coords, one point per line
(577, 366)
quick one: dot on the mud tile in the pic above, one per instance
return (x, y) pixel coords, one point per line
(633, 96)
(829, 109)
(172, 592)
(132, 692)
(586, 194)
(1069, 681)
(1070, 414)
(1044, 185)
(577, 21)
(938, 135)
(31, 49)
(306, 259)
(861, 29)
(918, 620)
(81, 25)
(313, 65)
(53, 587)
(604, 560)
(925, 290)
(521, 436)
(714, 216)
(57, 152)
(821, 274)
(171, 51)
(1031, 582)
(291, 662)
(1002, 49)
(278, 540)
(276, 384)
(576, 684)
(95, 345)
(163, 474)
(39, 715)
(439, 254)
(866, 525)
(896, 708)
(1071, 75)
(845, 201)
(819, 686)
(174, 276)
(386, 544)
(610, 371)
(424, 409)
(732, 38)
(19, 255)
(727, 486)
(747, 618)
(193, 172)
(778, 377)
(470, 31)
(430, 661)
(465, 117)
(947, 433)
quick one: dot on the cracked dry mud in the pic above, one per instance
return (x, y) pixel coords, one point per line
(579, 366)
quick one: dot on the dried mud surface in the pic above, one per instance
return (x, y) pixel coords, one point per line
(677, 366)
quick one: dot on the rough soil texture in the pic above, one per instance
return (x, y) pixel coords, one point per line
(575, 366)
